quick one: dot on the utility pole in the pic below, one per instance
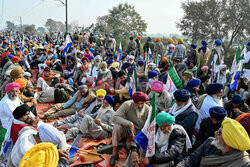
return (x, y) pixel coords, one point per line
(66, 12)
(21, 23)
(66, 6)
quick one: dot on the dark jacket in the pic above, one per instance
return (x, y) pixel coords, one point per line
(176, 149)
(147, 45)
(208, 149)
(187, 119)
(243, 107)
(193, 56)
(207, 130)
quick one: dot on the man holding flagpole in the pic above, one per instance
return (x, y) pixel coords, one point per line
(131, 116)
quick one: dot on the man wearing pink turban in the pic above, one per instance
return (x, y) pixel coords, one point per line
(7, 105)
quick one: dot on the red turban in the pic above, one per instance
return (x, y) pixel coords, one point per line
(244, 120)
(9, 87)
(139, 96)
(85, 58)
(15, 59)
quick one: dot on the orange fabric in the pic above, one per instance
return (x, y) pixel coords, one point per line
(85, 69)
(157, 39)
(242, 116)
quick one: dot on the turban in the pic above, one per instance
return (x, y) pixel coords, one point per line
(131, 57)
(115, 65)
(236, 99)
(91, 57)
(27, 74)
(234, 135)
(103, 64)
(97, 57)
(188, 74)
(189, 62)
(46, 69)
(204, 68)
(244, 120)
(140, 62)
(248, 44)
(222, 66)
(180, 41)
(193, 46)
(22, 82)
(193, 83)
(92, 50)
(166, 67)
(157, 39)
(54, 57)
(218, 42)
(42, 154)
(85, 58)
(126, 65)
(10, 56)
(152, 64)
(139, 96)
(149, 39)
(48, 133)
(152, 74)
(163, 118)
(79, 83)
(72, 58)
(48, 63)
(214, 88)
(157, 86)
(204, 78)
(9, 87)
(101, 92)
(110, 100)
(182, 95)
(204, 43)
(217, 112)
(20, 111)
(165, 59)
(83, 88)
(138, 37)
(170, 40)
(143, 79)
(110, 61)
(130, 71)
(15, 59)
(16, 72)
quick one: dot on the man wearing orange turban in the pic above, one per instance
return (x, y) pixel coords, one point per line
(228, 148)
(159, 47)
(30, 101)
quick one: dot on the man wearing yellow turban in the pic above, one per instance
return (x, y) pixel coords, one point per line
(170, 48)
(228, 148)
(180, 50)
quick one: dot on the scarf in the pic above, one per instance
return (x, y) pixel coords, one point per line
(164, 146)
(102, 111)
(175, 112)
(230, 159)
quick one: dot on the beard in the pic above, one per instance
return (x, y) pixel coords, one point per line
(97, 64)
(218, 100)
(103, 71)
(178, 107)
(163, 136)
(139, 112)
(219, 145)
(13, 97)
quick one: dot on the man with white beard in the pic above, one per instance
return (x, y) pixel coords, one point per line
(99, 127)
(227, 149)
(212, 98)
(95, 67)
(103, 76)
(172, 143)
(131, 115)
(7, 105)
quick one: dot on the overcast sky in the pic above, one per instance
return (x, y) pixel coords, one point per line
(161, 15)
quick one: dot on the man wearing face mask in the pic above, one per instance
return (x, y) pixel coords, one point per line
(172, 143)
(131, 115)
(184, 111)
